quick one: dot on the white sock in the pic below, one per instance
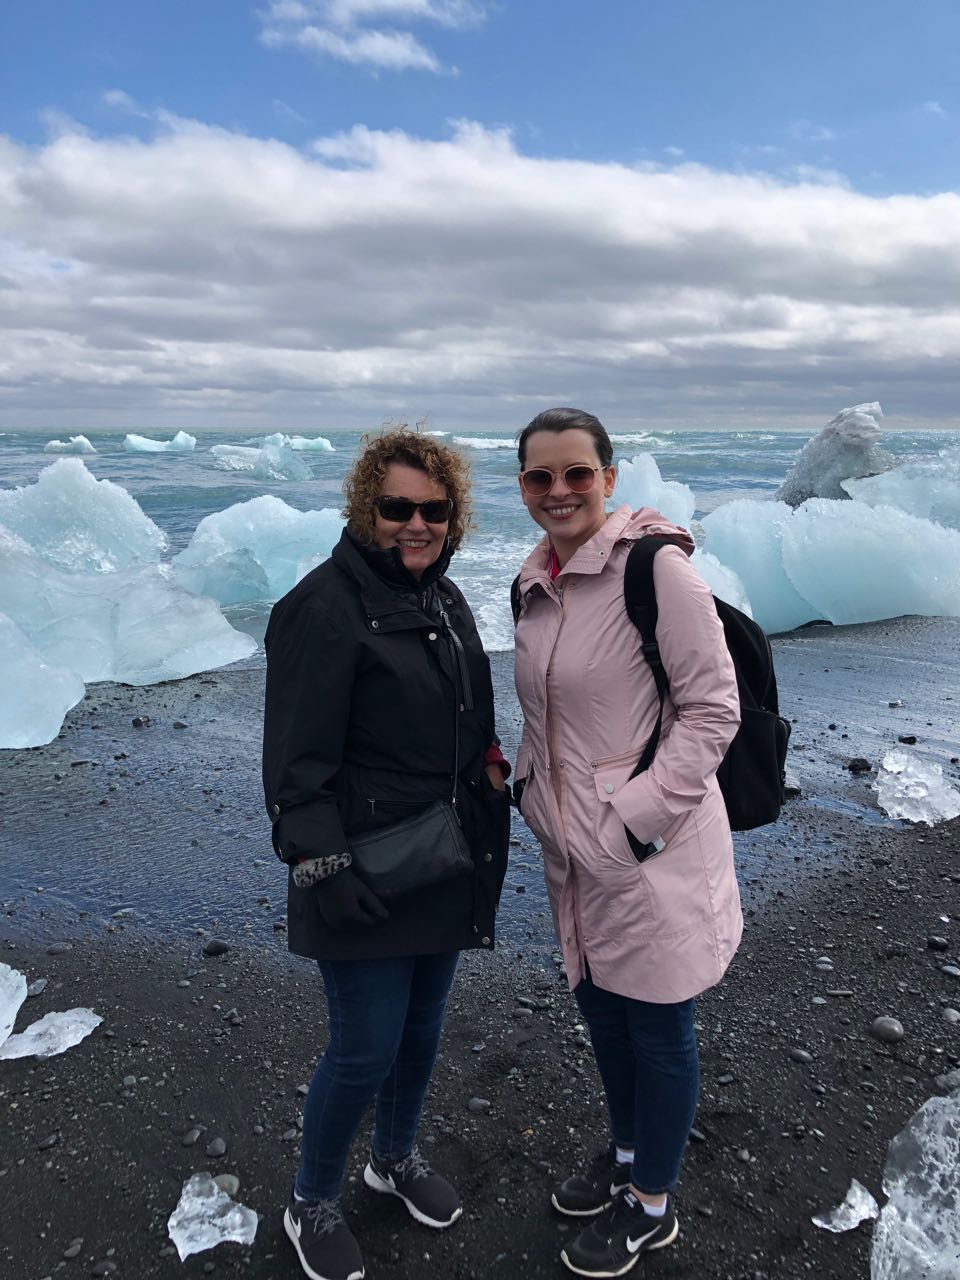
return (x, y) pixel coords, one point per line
(654, 1210)
(624, 1157)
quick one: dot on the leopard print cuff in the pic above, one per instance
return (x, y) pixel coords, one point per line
(313, 870)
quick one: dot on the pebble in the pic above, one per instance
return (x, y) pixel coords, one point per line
(289, 1135)
(801, 1055)
(696, 1135)
(73, 1248)
(478, 1105)
(839, 991)
(104, 1268)
(183, 983)
(35, 988)
(859, 765)
(190, 1137)
(215, 947)
(228, 1182)
(140, 722)
(50, 1141)
(726, 1079)
(59, 949)
(743, 1155)
(937, 944)
(478, 1048)
(950, 970)
(952, 1016)
(129, 1081)
(217, 1147)
(887, 1029)
(303, 1090)
(908, 738)
(179, 724)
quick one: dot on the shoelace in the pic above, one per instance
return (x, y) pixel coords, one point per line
(324, 1215)
(413, 1166)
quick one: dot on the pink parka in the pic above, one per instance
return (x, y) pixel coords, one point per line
(665, 929)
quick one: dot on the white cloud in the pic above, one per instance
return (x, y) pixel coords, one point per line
(338, 29)
(121, 101)
(207, 272)
(806, 131)
(933, 108)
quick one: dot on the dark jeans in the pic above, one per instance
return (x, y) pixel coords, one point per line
(385, 1022)
(647, 1058)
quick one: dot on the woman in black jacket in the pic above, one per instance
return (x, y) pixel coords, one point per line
(379, 704)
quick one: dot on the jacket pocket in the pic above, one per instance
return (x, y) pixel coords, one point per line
(609, 776)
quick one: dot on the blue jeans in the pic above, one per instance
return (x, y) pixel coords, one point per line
(385, 1022)
(647, 1058)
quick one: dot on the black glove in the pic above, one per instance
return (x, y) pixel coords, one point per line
(345, 902)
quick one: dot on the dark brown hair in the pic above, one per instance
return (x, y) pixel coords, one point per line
(557, 420)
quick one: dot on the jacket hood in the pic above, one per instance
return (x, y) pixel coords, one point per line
(386, 564)
(621, 525)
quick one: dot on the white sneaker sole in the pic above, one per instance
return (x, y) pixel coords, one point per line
(586, 1213)
(628, 1265)
(376, 1183)
(295, 1241)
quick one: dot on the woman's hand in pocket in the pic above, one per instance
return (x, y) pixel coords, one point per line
(495, 775)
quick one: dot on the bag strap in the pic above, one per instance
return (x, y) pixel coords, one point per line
(516, 601)
(640, 600)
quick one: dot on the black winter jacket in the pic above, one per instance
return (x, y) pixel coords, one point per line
(364, 688)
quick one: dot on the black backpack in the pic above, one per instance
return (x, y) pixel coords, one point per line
(752, 773)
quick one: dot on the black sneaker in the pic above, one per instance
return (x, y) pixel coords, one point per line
(430, 1198)
(589, 1192)
(324, 1244)
(612, 1243)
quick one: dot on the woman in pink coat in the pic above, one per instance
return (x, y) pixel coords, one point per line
(640, 939)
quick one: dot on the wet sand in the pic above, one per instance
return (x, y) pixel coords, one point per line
(84, 1155)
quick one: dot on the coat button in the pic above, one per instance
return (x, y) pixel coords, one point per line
(432, 635)
(374, 624)
(485, 941)
(609, 788)
(276, 808)
(488, 857)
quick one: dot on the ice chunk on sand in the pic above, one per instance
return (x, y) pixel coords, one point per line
(845, 448)
(639, 484)
(918, 1232)
(858, 1206)
(76, 444)
(309, 444)
(915, 789)
(79, 523)
(928, 487)
(747, 537)
(272, 461)
(252, 550)
(135, 626)
(13, 992)
(36, 696)
(206, 1216)
(52, 1034)
(181, 443)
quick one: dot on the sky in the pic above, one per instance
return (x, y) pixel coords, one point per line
(321, 213)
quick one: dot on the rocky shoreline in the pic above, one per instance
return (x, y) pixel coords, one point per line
(798, 1095)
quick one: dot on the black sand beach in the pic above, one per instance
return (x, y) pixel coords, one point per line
(147, 840)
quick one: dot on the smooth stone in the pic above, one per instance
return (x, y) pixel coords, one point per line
(938, 944)
(59, 949)
(215, 947)
(950, 970)
(801, 1055)
(129, 1081)
(887, 1029)
(73, 1249)
(726, 1079)
(217, 1147)
(190, 1137)
(478, 1105)
(952, 1016)
(104, 1268)
(696, 1135)
(228, 1182)
(35, 988)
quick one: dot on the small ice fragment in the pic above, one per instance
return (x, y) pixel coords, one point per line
(918, 1232)
(13, 992)
(54, 1033)
(309, 444)
(913, 789)
(76, 444)
(206, 1216)
(182, 442)
(858, 1206)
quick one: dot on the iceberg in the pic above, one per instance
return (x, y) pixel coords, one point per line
(78, 523)
(858, 1206)
(273, 460)
(181, 443)
(76, 444)
(845, 449)
(36, 695)
(918, 1231)
(13, 992)
(640, 485)
(134, 626)
(309, 444)
(253, 550)
(928, 488)
(52, 1034)
(722, 581)
(910, 788)
(205, 1216)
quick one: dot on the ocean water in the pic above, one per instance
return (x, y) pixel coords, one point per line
(177, 490)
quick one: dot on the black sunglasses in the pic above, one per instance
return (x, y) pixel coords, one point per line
(400, 510)
(538, 481)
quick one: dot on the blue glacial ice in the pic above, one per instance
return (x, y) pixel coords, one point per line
(205, 1216)
(76, 444)
(254, 550)
(76, 522)
(910, 787)
(846, 447)
(182, 442)
(52, 1034)
(917, 1236)
(928, 488)
(309, 444)
(36, 695)
(273, 460)
(13, 992)
(639, 484)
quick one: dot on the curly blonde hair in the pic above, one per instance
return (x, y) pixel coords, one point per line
(443, 465)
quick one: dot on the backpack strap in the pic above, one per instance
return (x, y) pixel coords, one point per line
(516, 602)
(640, 600)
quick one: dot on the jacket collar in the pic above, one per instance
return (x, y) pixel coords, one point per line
(590, 558)
(384, 582)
